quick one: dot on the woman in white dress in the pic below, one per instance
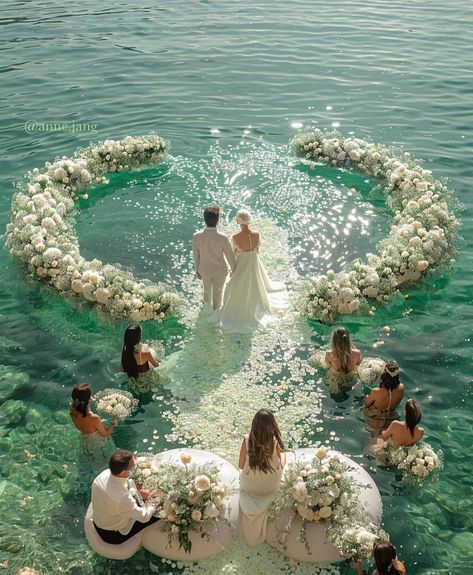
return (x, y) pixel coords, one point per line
(250, 296)
(262, 460)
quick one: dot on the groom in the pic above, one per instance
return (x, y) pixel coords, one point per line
(212, 251)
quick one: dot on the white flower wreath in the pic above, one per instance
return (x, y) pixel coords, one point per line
(422, 237)
(41, 232)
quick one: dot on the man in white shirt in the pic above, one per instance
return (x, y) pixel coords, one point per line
(118, 508)
(212, 252)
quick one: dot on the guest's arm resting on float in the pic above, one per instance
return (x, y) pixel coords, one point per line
(100, 427)
(242, 459)
(128, 507)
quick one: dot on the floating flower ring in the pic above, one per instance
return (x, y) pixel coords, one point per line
(422, 237)
(42, 230)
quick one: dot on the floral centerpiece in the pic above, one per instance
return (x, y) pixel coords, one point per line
(422, 237)
(321, 490)
(42, 230)
(190, 496)
(115, 402)
(417, 463)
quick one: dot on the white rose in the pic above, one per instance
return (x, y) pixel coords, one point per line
(325, 512)
(300, 492)
(202, 483)
(422, 265)
(196, 515)
(102, 295)
(88, 292)
(185, 458)
(322, 452)
(77, 286)
(305, 512)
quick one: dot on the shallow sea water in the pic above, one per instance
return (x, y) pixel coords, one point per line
(229, 84)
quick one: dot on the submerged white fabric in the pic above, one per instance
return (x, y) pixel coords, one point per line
(250, 296)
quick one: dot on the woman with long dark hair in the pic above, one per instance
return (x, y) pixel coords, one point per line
(381, 403)
(342, 357)
(96, 447)
(261, 462)
(406, 432)
(136, 357)
(385, 558)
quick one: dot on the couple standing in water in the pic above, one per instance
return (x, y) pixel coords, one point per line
(249, 297)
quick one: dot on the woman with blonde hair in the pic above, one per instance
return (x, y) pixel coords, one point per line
(250, 296)
(261, 462)
(342, 357)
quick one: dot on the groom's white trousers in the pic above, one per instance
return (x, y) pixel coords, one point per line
(213, 290)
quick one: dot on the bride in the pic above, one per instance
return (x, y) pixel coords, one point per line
(250, 296)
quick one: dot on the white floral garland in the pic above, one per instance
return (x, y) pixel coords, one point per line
(421, 239)
(322, 491)
(191, 495)
(42, 230)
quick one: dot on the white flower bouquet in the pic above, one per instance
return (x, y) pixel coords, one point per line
(42, 234)
(417, 463)
(353, 540)
(322, 490)
(421, 240)
(191, 496)
(146, 471)
(114, 402)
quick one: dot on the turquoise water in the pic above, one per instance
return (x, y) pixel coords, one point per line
(228, 84)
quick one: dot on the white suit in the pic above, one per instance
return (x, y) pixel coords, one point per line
(210, 249)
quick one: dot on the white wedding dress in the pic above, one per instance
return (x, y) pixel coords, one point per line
(250, 296)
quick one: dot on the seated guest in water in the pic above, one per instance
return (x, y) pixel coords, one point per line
(95, 442)
(83, 418)
(406, 432)
(342, 357)
(381, 403)
(385, 557)
(134, 359)
(118, 508)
